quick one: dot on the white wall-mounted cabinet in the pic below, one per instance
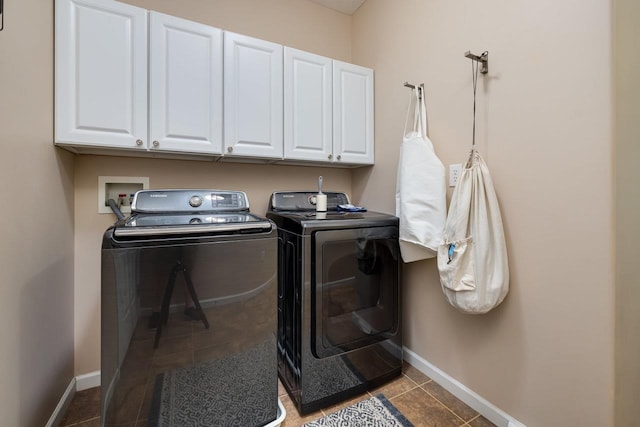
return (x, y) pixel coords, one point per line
(353, 128)
(101, 74)
(307, 106)
(328, 107)
(107, 57)
(252, 97)
(158, 85)
(185, 85)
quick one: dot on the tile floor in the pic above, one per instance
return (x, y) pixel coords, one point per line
(418, 397)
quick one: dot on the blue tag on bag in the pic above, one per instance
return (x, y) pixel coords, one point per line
(452, 248)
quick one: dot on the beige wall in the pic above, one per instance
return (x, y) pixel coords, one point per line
(627, 109)
(290, 22)
(545, 356)
(36, 249)
(295, 23)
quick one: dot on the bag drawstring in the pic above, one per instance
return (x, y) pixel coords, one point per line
(406, 120)
(474, 77)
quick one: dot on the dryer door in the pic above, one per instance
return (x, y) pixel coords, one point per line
(355, 288)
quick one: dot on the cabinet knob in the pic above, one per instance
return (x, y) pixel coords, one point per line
(138, 142)
(330, 156)
(230, 149)
(339, 157)
(156, 143)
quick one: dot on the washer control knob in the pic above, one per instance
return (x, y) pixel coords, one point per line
(156, 144)
(195, 201)
(138, 142)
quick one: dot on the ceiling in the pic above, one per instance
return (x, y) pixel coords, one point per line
(345, 6)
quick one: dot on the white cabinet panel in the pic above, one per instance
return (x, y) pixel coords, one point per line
(353, 113)
(252, 97)
(307, 106)
(185, 85)
(182, 87)
(101, 74)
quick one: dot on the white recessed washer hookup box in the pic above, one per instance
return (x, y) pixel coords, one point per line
(120, 189)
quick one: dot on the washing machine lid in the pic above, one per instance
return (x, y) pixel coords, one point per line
(139, 225)
(188, 212)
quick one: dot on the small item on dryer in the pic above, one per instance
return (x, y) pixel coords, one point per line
(348, 207)
(321, 198)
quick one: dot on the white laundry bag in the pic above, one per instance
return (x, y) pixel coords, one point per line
(420, 190)
(472, 260)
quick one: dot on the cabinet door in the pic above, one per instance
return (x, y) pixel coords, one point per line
(185, 85)
(101, 74)
(252, 97)
(307, 106)
(352, 114)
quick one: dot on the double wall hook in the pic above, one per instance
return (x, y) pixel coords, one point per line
(420, 88)
(483, 59)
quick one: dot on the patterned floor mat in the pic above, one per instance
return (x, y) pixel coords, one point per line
(376, 411)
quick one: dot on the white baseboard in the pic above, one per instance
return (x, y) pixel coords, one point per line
(453, 386)
(79, 383)
(90, 380)
(462, 392)
(63, 405)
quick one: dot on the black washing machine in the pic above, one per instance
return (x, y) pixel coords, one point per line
(189, 315)
(339, 329)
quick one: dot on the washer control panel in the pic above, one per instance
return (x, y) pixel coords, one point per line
(156, 201)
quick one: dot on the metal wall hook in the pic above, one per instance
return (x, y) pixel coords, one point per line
(420, 88)
(482, 59)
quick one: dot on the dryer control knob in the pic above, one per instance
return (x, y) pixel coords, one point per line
(195, 201)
